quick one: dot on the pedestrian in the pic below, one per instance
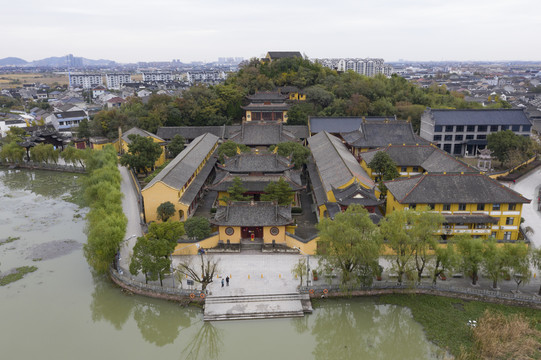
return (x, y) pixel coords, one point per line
(223, 282)
(227, 280)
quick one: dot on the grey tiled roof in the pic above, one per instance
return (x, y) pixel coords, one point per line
(470, 219)
(273, 96)
(356, 194)
(257, 183)
(196, 185)
(430, 158)
(224, 131)
(341, 124)
(284, 54)
(378, 134)
(184, 165)
(264, 163)
(317, 186)
(452, 189)
(335, 164)
(140, 132)
(252, 214)
(255, 133)
(266, 107)
(299, 131)
(480, 117)
(70, 114)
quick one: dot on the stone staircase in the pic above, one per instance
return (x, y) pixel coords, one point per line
(261, 306)
(248, 244)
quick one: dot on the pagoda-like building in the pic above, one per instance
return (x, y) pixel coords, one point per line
(266, 106)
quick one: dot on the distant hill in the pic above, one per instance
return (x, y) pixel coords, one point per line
(55, 61)
(12, 61)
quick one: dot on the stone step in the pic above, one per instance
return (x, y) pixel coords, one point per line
(211, 299)
(256, 306)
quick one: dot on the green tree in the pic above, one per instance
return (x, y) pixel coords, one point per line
(503, 142)
(536, 262)
(384, 166)
(445, 259)
(12, 152)
(278, 191)
(422, 226)
(230, 149)
(197, 227)
(142, 153)
(151, 253)
(300, 270)
(519, 262)
(44, 153)
(299, 154)
(74, 156)
(495, 260)
(176, 145)
(351, 244)
(83, 131)
(165, 210)
(394, 229)
(471, 255)
(236, 191)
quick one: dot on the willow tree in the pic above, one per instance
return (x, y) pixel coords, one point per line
(351, 244)
(471, 255)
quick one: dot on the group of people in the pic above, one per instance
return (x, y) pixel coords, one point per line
(226, 281)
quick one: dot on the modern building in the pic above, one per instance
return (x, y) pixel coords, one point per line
(157, 76)
(65, 120)
(471, 203)
(181, 181)
(464, 132)
(85, 81)
(367, 67)
(116, 80)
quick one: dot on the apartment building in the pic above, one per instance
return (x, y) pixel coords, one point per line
(115, 81)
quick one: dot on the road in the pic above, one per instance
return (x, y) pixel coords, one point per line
(529, 186)
(131, 210)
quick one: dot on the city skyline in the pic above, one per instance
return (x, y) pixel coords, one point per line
(126, 32)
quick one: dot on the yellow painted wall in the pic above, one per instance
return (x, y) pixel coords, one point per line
(100, 146)
(158, 194)
(268, 237)
(306, 248)
(248, 115)
(233, 239)
(161, 159)
(191, 249)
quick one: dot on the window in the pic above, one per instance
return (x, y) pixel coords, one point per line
(447, 147)
(511, 207)
(495, 207)
(461, 207)
(507, 235)
(470, 128)
(431, 206)
(526, 128)
(469, 137)
(481, 137)
(494, 128)
(449, 128)
(515, 127)
(482, 128)
(480, 207)
(413, 206)
(448, 137)
(459, 128)
(509, 220)
(437, 137)
(415, 169)
(404, 169)
(446, 207)
(459, 137)
(437, 128)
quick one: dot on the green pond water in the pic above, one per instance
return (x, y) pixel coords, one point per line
(61, 311)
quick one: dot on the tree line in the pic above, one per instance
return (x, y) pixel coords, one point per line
(352, 244)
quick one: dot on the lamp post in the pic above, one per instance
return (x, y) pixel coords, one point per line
(307, 264)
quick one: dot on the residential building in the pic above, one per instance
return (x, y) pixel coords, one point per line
(157, 76)
(116, 80)
(66, 120)
(367, 67)
(85, 81)
(471, 203)
(181, 181)
(464, 132)
(115, 102)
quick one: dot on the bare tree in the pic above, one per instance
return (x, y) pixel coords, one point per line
(203, 274)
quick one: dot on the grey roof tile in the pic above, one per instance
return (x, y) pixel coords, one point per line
(480, 117)
(252, 214)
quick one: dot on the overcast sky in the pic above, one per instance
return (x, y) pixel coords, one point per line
(162, 30)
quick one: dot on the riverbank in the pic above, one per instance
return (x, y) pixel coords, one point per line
(445, 320)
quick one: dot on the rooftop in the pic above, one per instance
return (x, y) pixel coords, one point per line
(259, 213)
(479, 117)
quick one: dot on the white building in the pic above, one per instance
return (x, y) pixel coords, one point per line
(86, 81)
(115, 81)
(157, 76)
(367, 67)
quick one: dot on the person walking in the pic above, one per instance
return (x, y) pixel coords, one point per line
(223, 283)
(227, 280)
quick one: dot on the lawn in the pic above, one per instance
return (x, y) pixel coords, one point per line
(445, 319)
(17, 80)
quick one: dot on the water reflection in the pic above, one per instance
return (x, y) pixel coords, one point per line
(108, 303)
(367, 331)
(50, 184)
(205, 344)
